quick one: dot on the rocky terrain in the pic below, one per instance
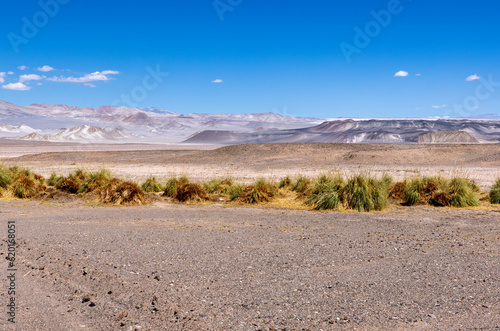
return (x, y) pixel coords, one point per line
(177, 267)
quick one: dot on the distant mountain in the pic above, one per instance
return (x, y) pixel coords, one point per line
(84, 133)
(156, 125)
(364, 131)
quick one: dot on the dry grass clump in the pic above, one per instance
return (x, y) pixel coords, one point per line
(191, 192)
(302, 186)
(495, 192)
(260, 191)
(17, 182)
(119, 192)
(151, 185)
(437, 191)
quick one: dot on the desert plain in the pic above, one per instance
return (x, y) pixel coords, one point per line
(168, 266)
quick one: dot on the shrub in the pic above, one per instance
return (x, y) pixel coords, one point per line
(495, 192)
(363, 193)
(151, 185)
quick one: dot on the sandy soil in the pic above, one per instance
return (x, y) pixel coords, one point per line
(248, 162)
(178, 267)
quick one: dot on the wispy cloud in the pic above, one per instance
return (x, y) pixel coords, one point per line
(401, 73)
(16, 87)
(472, 77)
(2, 77)
(218, 81)
(45, 69)
(419, 74)
(442, 106)
(10, 73)
(93, 77)
(22, 67)
(27, 78)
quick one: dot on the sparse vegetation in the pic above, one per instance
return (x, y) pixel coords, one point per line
(325, 192)
(495, 192)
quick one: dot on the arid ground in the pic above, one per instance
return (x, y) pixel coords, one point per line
(170, 266)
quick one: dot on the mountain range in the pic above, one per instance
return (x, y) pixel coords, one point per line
(107, 124)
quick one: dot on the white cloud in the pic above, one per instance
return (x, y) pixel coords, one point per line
(442, 106)
(401, 73)
(2, 77)
(27, 78)
(419, 74)
(90, 85)
(93, 77)
(472, 77)
(45, 68)
(218, 81)
(22, 67)
(10, 73)
(16, 87)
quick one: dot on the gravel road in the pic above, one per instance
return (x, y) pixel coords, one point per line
(178, 267)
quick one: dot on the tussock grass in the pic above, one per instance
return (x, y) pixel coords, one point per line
(326, 192)
(463, 193)
(261, 191)
(119, 192)
(301, 184)
(151, 185)
(18, 182)
(437, 191)
(363, 193)
(93, 181)
(285, 182)
(495, 192)
(172, 185)
(218, 185)
(191, 192)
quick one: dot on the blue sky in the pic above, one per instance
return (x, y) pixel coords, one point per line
(242, 56)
